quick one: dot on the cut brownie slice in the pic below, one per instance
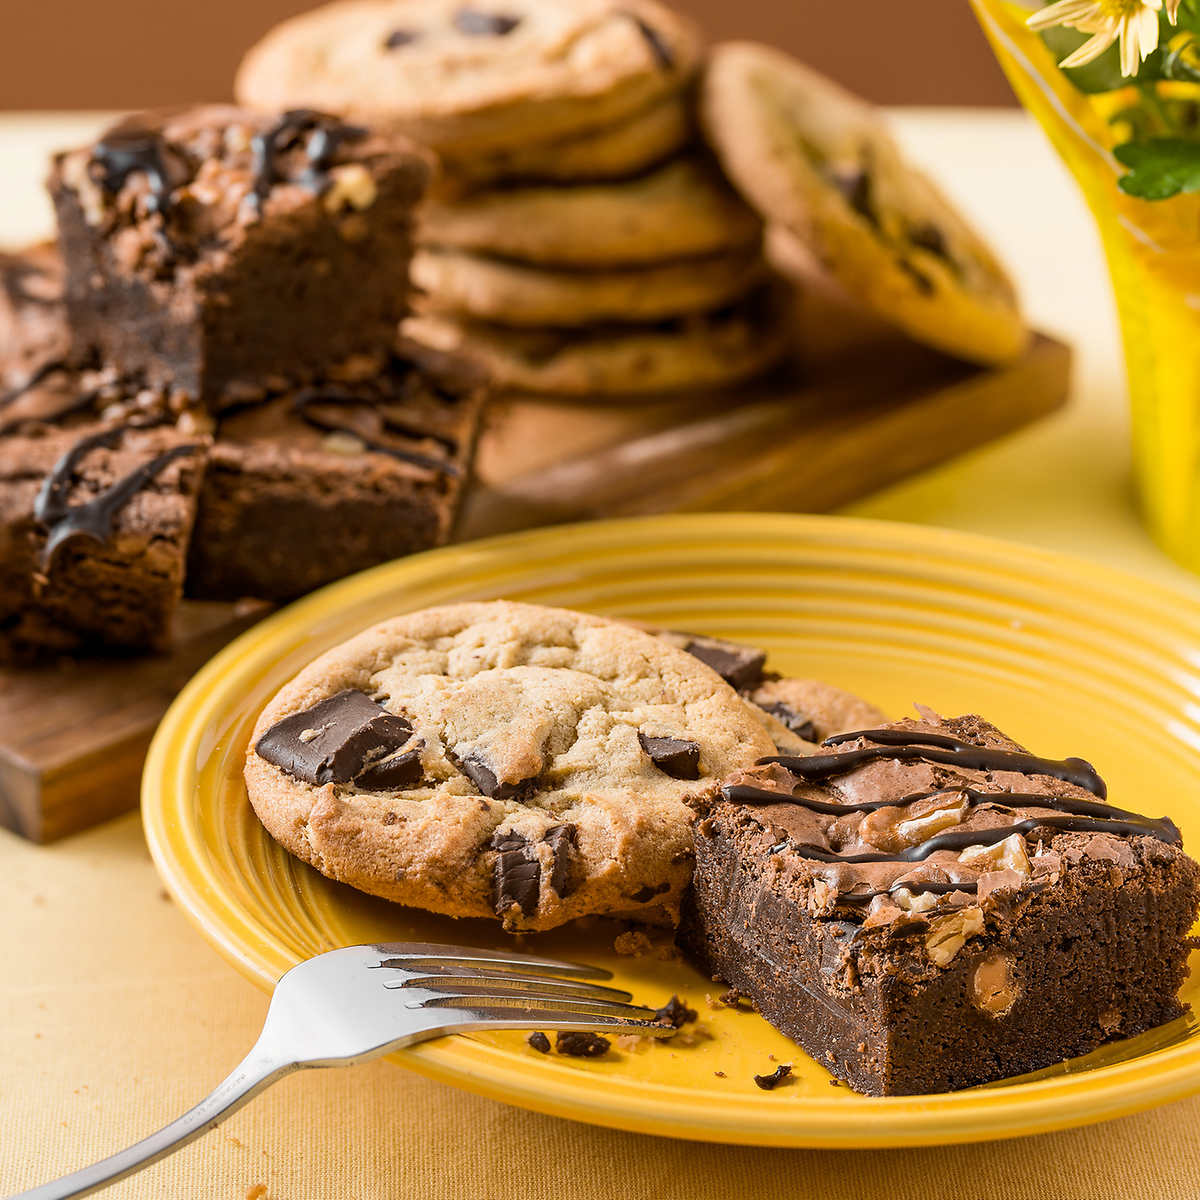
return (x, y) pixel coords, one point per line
(98, 489)
(212, 247)
(313, 485)
(925, 906)
(33, 327)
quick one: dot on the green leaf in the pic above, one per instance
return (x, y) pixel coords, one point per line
(1159, 167)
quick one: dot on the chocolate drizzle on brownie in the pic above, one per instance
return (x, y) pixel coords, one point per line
(986, 837)
(16, 275)
(936, 748)
(325, 135)
(1048, 810)
(37, 376)
(312, 405)
(93, 518)
(128, 150)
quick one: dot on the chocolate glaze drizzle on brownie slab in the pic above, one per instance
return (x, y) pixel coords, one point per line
(868, 899)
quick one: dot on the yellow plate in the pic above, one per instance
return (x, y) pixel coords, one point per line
(1068, 657)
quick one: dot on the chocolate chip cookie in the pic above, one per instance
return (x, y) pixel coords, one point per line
(703, 350)
(680, 210)
(818, 161)
(512, 293)
(501, 760)
(475, 76)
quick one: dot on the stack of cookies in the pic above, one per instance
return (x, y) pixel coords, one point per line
(202, 386)
(581, 241)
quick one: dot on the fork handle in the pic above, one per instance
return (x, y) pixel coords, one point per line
(254, 1073)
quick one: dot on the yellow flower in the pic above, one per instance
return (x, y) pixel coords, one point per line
(1133, 22)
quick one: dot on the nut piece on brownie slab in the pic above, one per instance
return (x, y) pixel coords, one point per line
(213, 247)
(924, 906)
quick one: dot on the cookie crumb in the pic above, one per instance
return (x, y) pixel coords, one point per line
(770, 1082)
(835, 1083)
(632, 944)
(719, 1074)
(257, 1192)
(631, 1043)
(540, 1042)
(234, 1141)
(734, 999)
(675, 1013)
(580, 1045)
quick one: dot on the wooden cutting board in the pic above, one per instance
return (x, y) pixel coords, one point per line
(856, 409)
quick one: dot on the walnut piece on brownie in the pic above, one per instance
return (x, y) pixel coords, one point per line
(924, 906)
(319, 482)
(97, 499)
(214, 246)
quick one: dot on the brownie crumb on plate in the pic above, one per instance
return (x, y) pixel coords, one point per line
(675, 1012)
(770, 1082)
(578, 1044)
(540, 1042)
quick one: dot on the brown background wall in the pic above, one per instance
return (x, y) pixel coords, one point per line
(130, 53)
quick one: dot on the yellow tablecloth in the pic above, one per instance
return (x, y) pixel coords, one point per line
(116, 1015)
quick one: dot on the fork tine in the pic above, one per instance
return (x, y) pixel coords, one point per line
(532, 1005)
(490, 1017)
(420, 955)
(485, 983)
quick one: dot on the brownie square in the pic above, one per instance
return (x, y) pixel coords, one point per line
(318, 483)
(922, 918)
(98, 491)
(33, 327)
(214, 247)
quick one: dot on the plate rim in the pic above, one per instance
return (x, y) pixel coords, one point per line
(995, 1112)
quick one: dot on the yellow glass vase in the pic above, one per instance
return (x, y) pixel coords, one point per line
(1153, 250)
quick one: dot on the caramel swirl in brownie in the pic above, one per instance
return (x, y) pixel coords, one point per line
(935, 808)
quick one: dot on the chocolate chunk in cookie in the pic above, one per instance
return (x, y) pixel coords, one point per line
(673, 756)
(485, 779)
(474, 23)
(517, 872)
(516, 875)
(740, 666)
(395, 773)
(400, 37)
(334, 741)
(798, 723)
(561, 840)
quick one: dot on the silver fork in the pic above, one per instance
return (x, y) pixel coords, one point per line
(355, 1004)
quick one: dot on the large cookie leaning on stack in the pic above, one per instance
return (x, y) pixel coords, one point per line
(501, 760)
(470, 80)
(819, 162)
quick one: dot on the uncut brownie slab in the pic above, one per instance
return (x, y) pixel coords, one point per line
(214, 246)
(98, 490)
(925, 907)
(335, 477)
